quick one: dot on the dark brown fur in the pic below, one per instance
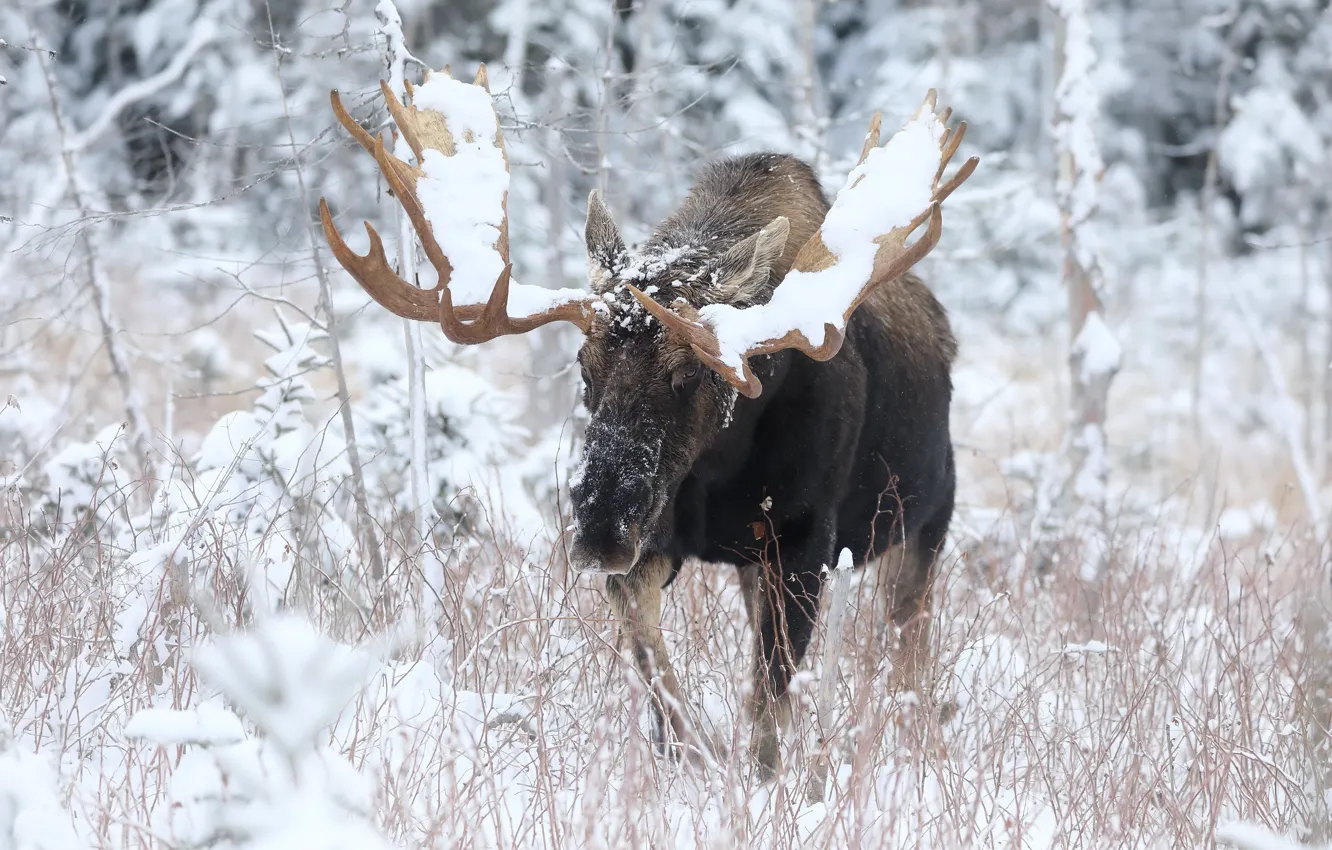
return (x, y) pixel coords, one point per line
(853, 453)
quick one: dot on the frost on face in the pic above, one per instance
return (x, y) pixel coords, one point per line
(731, 395)
(626, 316)
(617, 458)
(654, 262)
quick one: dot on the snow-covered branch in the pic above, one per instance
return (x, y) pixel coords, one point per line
(202, 35)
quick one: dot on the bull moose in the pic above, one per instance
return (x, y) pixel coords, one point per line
(774, 458)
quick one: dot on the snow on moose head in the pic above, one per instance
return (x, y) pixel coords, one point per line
(669, 329)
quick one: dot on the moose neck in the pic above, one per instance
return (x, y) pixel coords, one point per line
(730, 449)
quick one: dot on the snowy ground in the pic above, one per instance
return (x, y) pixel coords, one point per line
(496, 711)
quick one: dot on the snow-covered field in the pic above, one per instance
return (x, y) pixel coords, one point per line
(206, 640)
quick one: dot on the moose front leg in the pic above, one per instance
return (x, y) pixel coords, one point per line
(783, 605)
(636, 600)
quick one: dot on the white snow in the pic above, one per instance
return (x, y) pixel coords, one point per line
(890, 189)
(31, 814)
(1091, 647)
(1252, 836)
(286, 677)
(1100, 351)
(207, 725)
(463, 198)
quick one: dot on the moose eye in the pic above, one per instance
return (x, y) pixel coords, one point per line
(686, 379)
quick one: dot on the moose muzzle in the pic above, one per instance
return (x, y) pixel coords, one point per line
(614, 499)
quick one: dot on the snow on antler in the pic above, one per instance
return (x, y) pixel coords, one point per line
(463, 195)
(456, 200)
(888, 190)
(861, 246)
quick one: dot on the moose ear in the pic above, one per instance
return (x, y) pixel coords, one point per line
(605, 248)
(742, 272)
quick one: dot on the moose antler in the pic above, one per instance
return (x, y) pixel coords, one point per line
(457, 195)
(889, 193)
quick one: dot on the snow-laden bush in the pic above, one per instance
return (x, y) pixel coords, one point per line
(473, 438)
(280, 788)
(31, 814)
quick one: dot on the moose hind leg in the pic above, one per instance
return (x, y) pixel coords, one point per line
(636, 601)
(911, 603)
(785, 611)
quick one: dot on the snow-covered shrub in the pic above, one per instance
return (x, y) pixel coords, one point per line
(31, 814)
(273, 477)
(281, 788)
(474, 440)
(81, 490)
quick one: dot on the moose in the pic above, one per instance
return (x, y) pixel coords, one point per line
(775, 456)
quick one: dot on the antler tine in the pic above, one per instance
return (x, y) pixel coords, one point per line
(402, 119)
(952, 140)
(957, 179)
(358, 132)
(494, 319)
(888, 266)
(701, 339)
(688, 326)
(375, 275)
(411, 205)
(872, 137)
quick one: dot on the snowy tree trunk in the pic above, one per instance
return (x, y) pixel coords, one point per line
(1324, 449)
(1094, 353)
(515, 48)
(605, 104)
(97, 282)
(1206, 199)
(551, 396)
(395, 60)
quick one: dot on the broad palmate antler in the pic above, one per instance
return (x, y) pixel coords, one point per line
(458, 196)
(861, 246)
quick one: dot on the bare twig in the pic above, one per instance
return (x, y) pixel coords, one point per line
(370, 539)
(1289, 415)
